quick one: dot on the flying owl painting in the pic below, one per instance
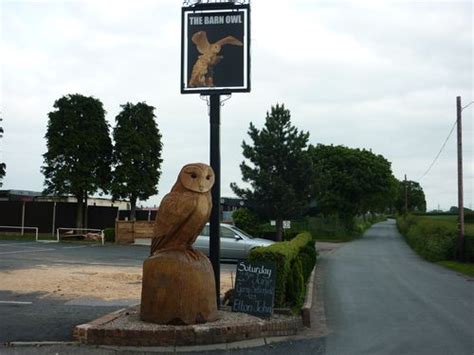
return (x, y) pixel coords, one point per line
(184, 211)
(202, 73)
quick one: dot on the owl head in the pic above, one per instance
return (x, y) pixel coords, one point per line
(197, 177)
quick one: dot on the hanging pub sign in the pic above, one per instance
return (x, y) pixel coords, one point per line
(215, 43)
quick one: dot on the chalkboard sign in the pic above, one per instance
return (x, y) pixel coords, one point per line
(254, 288)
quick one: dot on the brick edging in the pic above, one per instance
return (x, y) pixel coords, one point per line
(95, 333)
(308, 300)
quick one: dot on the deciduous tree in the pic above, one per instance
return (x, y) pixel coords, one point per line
(416, 201)
(351, 182)
(79, 150)
(137, 154)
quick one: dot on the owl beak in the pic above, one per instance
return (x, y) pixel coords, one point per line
(201, 188)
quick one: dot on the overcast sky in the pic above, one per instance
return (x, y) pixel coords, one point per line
(380, 75)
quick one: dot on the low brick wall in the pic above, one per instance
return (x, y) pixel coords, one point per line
(125, 328)
(127, 231)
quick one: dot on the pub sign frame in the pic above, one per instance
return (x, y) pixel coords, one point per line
(215, 48)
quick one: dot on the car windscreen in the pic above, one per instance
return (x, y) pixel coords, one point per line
(242, 232)
(205, 231)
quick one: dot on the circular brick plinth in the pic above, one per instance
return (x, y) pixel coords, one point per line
(126, 329)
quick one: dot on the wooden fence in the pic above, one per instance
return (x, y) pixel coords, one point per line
(127, 231)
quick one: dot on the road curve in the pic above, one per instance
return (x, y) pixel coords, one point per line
(382, 298)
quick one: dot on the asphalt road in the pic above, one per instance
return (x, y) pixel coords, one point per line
(381, 298)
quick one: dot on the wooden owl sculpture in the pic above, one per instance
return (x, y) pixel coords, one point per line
(184, 211)
(202, 73)
(178, 282)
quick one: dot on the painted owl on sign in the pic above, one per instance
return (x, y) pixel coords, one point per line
(202, 74)
(184, 211)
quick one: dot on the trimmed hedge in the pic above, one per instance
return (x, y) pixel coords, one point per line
(294, 261)
(434, 240)
(308, 257)
(295, 289)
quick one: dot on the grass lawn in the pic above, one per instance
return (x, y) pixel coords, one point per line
(464, 268)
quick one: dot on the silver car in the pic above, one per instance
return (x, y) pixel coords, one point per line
(235, 243)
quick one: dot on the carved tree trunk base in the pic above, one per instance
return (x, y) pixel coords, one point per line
(178, 289)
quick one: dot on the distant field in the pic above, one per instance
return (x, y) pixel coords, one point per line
(468, 226)
(444, 218)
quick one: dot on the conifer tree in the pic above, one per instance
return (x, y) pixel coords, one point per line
(280, 172)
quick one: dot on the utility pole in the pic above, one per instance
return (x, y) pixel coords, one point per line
(406, 195)
(461, 240)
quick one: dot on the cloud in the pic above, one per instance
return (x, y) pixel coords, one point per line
(382, 75)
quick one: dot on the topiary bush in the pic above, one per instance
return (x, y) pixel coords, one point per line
(295, 287)
(308, 257)
(293, 260)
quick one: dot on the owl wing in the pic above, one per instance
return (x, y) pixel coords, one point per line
(229, 40)
(201, 42)
(173, 211)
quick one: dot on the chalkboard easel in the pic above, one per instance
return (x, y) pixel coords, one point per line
(254, 290)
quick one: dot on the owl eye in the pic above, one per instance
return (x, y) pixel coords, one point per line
(208, 177)
(193, 175)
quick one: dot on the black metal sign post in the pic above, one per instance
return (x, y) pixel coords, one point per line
(215, 60)
(214, 230)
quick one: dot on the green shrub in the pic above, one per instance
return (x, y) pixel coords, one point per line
(469, 217)
(295, 287)
(109, 235)
(290, 234)
(405, 223)
(247, 220)
(434, 240)
(288, 260)
(308, 257)
(335, 228)
(469, 247)
(326, 227)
